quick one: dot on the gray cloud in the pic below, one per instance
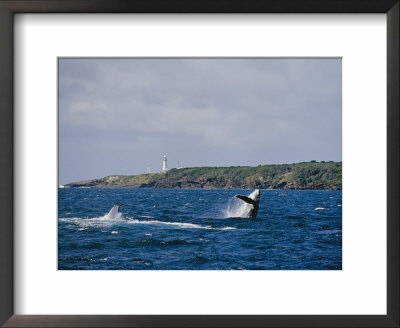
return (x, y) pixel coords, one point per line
(116, 116)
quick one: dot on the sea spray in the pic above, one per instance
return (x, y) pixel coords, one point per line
(236, 209)
(114, 213)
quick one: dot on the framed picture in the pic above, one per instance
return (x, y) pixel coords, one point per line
(207, 116)
(253, 108)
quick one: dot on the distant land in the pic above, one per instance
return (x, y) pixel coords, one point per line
(306, 175)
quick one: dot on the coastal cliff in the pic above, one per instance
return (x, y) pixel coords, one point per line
(306, 175)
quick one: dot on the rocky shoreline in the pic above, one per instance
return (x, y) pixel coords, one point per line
(299, 176)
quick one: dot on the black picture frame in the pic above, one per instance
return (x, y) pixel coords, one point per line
(10, 7)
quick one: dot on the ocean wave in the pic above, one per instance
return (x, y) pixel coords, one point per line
(228, 228)
(184, 225)
(156, 242)
(329, 232)
(177, 224)
(88, 220)
(85, 223)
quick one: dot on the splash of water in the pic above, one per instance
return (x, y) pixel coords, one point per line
(101, 222)
(110, 217)
(236, 209)
(114, 213)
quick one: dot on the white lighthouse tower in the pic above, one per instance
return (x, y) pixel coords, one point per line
(164, 163)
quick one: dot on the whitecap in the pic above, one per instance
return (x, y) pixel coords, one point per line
(184, 225)
(228, 228)
(319, 208)
(177, 224)
(85, 223)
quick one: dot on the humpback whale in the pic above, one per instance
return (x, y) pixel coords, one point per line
(114, 212)
(254, 200)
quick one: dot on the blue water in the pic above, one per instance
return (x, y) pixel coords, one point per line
(192, 229)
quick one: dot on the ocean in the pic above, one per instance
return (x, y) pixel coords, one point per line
(198, 229)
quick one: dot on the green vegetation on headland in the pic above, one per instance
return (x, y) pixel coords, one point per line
(306, 175)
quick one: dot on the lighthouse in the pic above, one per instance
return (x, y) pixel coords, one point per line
(164, 163)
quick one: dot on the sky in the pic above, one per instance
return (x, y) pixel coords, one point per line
(119, 116)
